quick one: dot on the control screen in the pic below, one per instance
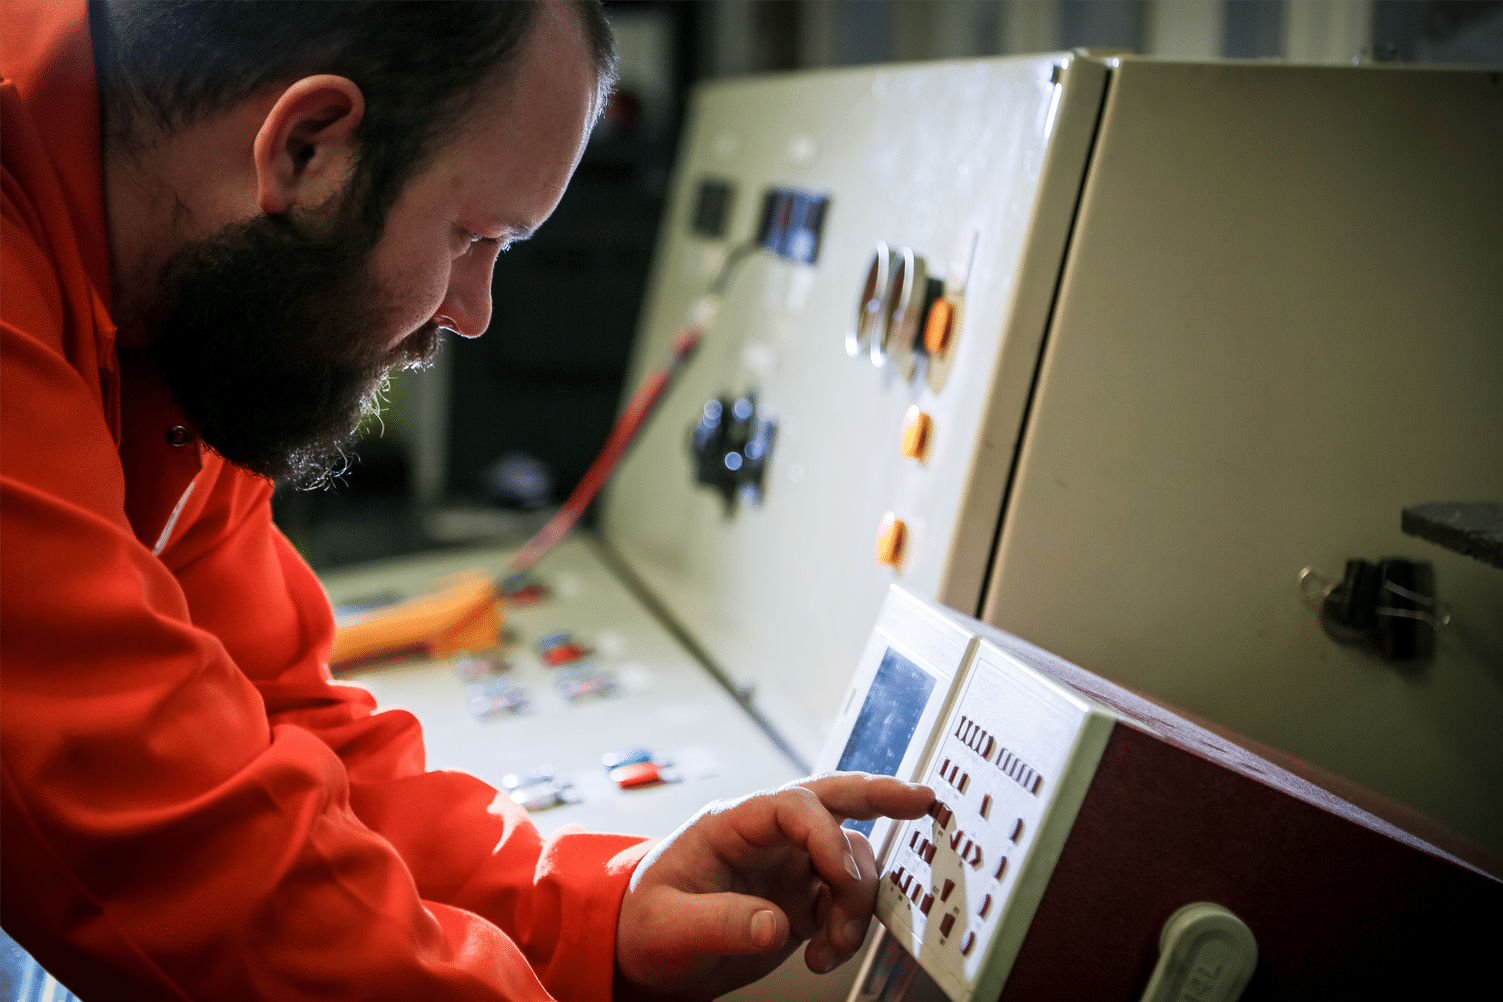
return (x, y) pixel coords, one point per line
(887, 721)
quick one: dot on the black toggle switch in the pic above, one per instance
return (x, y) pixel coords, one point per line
(731, 444)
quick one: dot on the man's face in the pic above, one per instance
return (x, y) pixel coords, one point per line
(276, 333)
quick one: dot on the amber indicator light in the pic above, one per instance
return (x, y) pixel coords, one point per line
(917, 428)
(892, 535)
(939, 326)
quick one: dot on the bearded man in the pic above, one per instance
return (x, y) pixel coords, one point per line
(223, 224)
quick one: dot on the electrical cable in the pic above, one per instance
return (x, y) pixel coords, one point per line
(631, 421)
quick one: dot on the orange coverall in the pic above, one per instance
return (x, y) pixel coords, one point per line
(190, 807)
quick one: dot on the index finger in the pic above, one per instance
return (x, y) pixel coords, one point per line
(862, 795)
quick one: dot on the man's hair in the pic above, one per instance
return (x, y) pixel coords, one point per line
(420, 65)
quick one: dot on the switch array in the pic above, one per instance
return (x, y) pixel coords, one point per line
(948, 872)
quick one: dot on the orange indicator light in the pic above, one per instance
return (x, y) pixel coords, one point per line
(939, 326)
(892, 535)
(916, 433)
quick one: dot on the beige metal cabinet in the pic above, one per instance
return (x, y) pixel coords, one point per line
(1279, 323)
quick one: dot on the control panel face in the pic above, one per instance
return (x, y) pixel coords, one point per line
(899, 695)
(829, 215)
(1015, 755)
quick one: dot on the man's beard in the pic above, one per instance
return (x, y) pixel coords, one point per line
(271, 339)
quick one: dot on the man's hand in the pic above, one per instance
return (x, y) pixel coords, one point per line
(724, 899)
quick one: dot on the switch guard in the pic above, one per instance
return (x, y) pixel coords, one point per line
(1029, 743)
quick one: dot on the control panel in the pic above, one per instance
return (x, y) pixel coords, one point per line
(871, 236)
(1010, 754)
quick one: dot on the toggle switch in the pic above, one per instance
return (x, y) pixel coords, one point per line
(892, 537)
(917, 428)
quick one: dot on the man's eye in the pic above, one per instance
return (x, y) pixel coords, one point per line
(470, 237)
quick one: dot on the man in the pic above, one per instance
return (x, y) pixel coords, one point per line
(286, 201)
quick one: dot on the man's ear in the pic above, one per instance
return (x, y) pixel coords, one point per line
(305, 147)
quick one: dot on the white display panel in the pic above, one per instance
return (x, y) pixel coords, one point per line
(899, 693)
(1012, 764)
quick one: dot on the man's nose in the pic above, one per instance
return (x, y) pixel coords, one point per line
(466, 308)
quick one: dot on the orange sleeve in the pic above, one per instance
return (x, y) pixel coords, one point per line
(192, 808)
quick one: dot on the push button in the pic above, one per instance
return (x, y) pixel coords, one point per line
(917, 428)
(947, 923)
(939, 327)
(892, 538)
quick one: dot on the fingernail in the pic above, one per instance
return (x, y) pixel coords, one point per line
(827, 961)
(851, 868)
(855, 932)
(763, 926)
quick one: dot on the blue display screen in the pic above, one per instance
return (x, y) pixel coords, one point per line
(888, 718)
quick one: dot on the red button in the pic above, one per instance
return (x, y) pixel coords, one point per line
(563, 654)
(640, 774)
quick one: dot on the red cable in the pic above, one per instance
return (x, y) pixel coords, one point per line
(626, 428)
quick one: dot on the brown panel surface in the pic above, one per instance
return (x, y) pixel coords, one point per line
(1342, 903)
